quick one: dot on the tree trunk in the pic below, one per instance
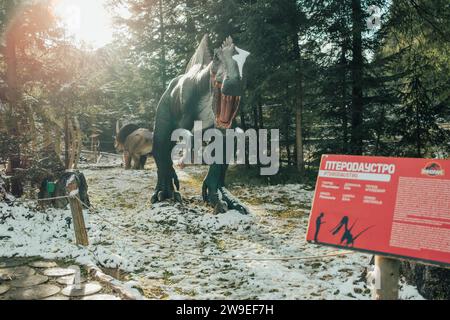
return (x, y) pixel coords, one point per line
(255, 109)
(357, 78)
(260, 116)
(66, 140)
(11, 70)
(12, 94)
(162, 30)
(418, 131)
(299, 101)
(380, 130)
(47, 134)
(244, 127)
(255, 117)
(72, 142)
(57, 141)
(287, 143)
(75, 143)
(299, 136)
(33, 145)
(343, 107)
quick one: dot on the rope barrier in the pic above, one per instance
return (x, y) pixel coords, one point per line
(204, 256)
(146, 241)
(43, 199)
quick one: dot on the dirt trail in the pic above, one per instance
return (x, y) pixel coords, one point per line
(159, 244)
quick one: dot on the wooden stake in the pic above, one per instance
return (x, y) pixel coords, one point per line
(77, 214)
(66, 139)
(389, 270)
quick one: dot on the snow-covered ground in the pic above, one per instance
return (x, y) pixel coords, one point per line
(177, 251)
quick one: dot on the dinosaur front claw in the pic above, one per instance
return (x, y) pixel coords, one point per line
(177, 197)
(213, 197)
(215, 200)
(165, 189)
(160, 196)
(232, 202)
(220, 207)
(222, 200)
(164, 195)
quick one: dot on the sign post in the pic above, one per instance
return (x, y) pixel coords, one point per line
(389, 278)
(76, 208)
(395, 208)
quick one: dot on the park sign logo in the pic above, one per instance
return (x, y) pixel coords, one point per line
(433, 169)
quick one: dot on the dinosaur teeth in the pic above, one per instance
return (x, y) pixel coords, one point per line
(226, 110)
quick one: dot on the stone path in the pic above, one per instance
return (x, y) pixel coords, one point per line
(32, 279)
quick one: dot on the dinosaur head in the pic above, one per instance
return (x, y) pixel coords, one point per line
(227, 73)
(121, 135)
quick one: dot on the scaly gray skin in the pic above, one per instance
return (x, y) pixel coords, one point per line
(203, 93)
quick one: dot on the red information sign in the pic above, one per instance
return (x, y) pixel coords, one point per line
(390, 206)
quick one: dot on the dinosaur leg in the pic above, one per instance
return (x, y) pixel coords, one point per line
(232, 202)
(142, 161)
(127, 160)
(215, 193)
(136, 162)
(210, 189)
(168, 185)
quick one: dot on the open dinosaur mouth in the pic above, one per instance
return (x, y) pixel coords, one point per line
(226, 111)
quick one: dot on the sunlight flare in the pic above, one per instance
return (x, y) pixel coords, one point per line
(86, 21)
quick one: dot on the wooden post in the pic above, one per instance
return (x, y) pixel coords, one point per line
(77, 213)
(66, 139)
(389, 273)
(95, 146)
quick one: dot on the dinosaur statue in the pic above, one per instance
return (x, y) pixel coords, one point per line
(135, 143)
(210, 91)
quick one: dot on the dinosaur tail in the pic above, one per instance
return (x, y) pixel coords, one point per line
(359, 234)
(353, 225)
